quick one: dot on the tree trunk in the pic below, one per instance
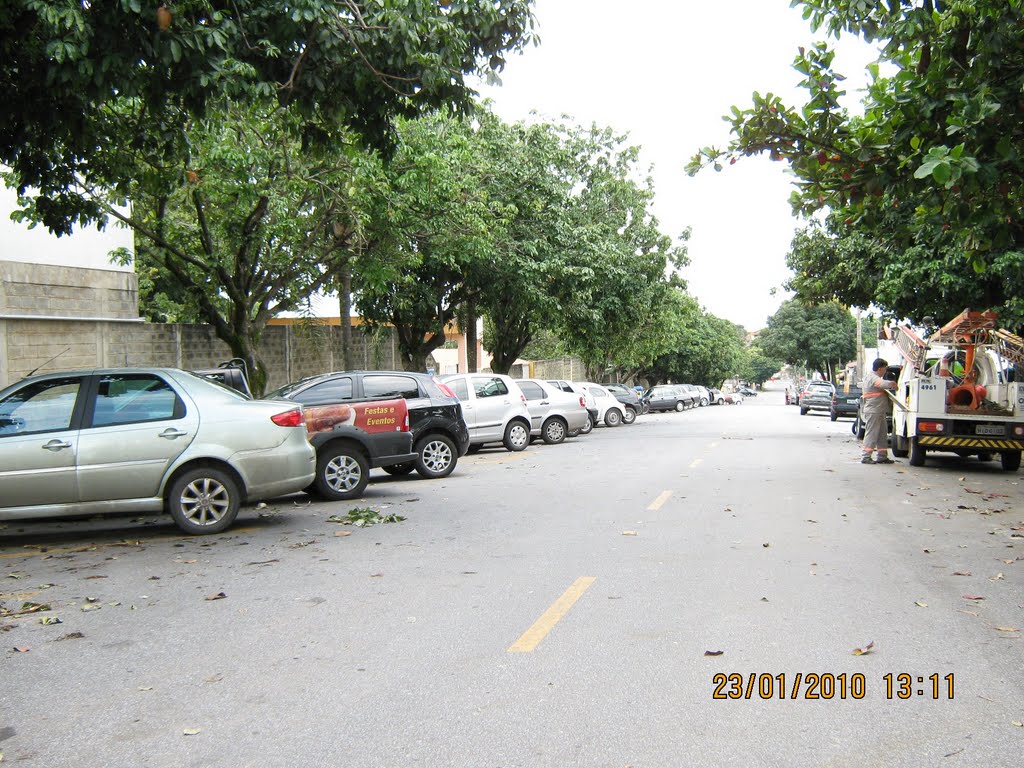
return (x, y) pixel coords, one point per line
(472, 364)
(346, 318)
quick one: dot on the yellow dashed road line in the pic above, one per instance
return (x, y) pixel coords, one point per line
(532, 637)
(659, 502)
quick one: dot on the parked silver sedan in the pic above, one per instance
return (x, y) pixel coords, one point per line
(554, 414)
(145, 440)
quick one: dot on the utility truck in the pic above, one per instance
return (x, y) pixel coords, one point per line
(958, 392)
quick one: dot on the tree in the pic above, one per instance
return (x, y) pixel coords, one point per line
(432, 221)
(250, 225)
(819, 337)
(70, 68)
(930, 176)
(759, 367)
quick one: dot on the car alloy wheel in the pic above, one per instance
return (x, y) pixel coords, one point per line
(342, 472)
(612, 417)
(436, 456)
(554, 431)
(629, 416)
(204, 500)
(588, 427)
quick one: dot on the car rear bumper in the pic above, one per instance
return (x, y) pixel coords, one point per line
(287, 468)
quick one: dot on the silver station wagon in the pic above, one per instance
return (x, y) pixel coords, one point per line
(145, 440)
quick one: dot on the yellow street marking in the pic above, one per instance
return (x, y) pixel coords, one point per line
(531, 638)
(659, 502)
(695, 462)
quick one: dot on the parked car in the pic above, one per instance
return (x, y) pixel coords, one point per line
(494, 408)
(717, 396)
(145, 440)
(554, 414)
(609, 410)
(231, 374)
(793, 392)
(817, 397)
(629, 398)
(845, 402)
(747, 391)
(588, 399)
(734, 398)
(439, 433)
(668, 397)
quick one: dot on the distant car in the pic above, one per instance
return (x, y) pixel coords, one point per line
(793, 393)
(699, 394)
(734, 398)
(817, 397)
(554, 414)
(609, 410)
(845, 402)
(145, 440)
(747, 391)
(588, 399)
(494, 408)
(668, 397)
(440, 435)
(717, 396)
(629, 398)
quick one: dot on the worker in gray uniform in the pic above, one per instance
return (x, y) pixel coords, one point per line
(876, 408)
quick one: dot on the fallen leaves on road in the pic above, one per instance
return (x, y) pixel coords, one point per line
(192, 731)
(343, 533)
(973, 597)
(865, 650)
(1017, 723)
(20, 649)
(920, 603)
(766, 545)
(713, 653)
(962, 573)
(362, 517)
(1006, 629)
(71, 636)
(218, 596)
(50, 620)
(629, 533)
(997, 577)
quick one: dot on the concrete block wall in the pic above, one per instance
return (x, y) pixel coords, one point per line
(289, 352)
(52, 291)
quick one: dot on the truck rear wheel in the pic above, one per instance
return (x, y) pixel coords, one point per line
(898, 443)
(1010, 460)
(917, 453)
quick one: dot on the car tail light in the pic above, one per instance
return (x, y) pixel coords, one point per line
(523, 398)
(931, 426)
(583, 403)
(292, 418)
(1018, 430)
(445, 388)
(405, 423)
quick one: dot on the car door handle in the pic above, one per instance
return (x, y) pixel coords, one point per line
(170, 433)
(545, 402)
(56, 445)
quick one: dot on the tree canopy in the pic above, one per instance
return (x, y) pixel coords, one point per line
(921, 193)
(821, 337)
(76, 76)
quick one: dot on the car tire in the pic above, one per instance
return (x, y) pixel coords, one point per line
(204, 500)
(917, 453)
(342, 472)
(1010, 460)
(612, 417)
(400, 469)
(680, 407)
(833, 415)
(517, 436)
(803, 411)
(436, 456)
(984, 456)
(704, 402)
(629, 415)
(587, 428)
(720, 401)
(554, 431)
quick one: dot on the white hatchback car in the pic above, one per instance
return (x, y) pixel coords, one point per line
(609, 409)
(494, 409)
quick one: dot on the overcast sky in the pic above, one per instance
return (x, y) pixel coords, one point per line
(665, 71)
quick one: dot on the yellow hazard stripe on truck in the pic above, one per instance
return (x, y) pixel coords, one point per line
(971, 442)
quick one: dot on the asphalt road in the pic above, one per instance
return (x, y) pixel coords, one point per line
(549, 608)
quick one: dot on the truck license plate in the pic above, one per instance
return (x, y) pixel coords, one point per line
(990, 429)
(854, 400)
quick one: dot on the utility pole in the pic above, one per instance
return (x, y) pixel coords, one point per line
(860, 346)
